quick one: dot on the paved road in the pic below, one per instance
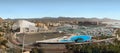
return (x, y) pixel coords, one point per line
(96, 41)
(13, 43)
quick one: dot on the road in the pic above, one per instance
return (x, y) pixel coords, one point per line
(96, 41)
(13, 43)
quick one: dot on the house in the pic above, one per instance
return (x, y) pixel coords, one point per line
(41, 26)
(24, 26)
(53, 24)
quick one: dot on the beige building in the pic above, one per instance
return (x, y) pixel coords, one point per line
(53, 24)
(41, 25)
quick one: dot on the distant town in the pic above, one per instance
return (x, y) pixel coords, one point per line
(59, 35)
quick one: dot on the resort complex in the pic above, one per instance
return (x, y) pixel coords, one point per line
(38, 36)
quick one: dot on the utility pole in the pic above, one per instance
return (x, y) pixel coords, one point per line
(23, 42)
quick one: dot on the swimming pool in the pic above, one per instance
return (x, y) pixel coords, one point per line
(77, 38)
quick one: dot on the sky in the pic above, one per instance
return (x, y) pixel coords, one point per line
(55, 8)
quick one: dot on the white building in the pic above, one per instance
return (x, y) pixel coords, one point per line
(24, 26)
(114, 24)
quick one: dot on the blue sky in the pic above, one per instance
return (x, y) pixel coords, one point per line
(56, 8)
